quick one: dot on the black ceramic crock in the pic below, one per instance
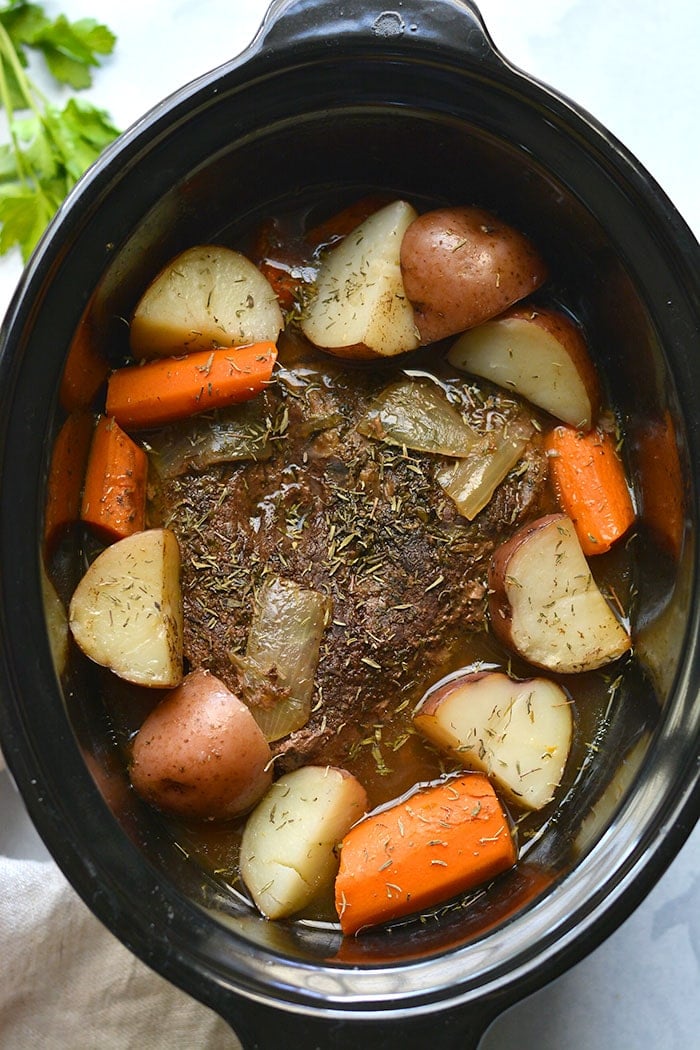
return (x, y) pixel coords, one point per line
(333, 98)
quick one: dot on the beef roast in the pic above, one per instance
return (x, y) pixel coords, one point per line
(357, 519)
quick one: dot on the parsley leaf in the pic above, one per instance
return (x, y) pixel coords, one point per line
(49, 147)
(24, 214)
(70, 49)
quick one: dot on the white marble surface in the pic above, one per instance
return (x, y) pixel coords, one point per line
(634, 65)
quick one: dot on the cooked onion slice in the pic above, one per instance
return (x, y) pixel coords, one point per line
(282, 655)
(417, 415)
(471, 482)
(239, 432)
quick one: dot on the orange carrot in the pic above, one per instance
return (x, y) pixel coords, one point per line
(438, 842)
(345, 221)
(661, 482)
(85, 370)
(171, 388)
(114, 495)
(590, 483)
(283, 281)
(282, 260)
(66, 473)
(287, 262)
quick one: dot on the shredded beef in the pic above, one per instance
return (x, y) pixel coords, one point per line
(360, 520)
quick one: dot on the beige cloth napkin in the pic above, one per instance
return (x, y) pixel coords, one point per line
(66, 983)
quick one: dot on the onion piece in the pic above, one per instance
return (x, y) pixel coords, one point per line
(230, 434)
(471, 482)
(282, 655)
(417, 415)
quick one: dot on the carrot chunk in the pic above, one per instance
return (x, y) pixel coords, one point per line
(591, 486)
(438, 842)
(85, 371)
(171, 388)
(114, 495)
(280, 259)
(66, 474)
(281, 278)
(287, 262)
(661, 482)
(344, 222)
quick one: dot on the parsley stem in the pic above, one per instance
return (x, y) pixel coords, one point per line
(8, 54)
(7, 103)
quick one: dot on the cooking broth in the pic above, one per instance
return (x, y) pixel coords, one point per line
(386, 754)
(379, 743)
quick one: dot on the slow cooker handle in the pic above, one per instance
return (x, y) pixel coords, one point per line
(454, 24)
(446, 23)
(264, 1028)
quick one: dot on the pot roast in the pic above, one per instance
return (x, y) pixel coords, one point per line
(359, 520)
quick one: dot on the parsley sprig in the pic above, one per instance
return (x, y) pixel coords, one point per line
(49, 147)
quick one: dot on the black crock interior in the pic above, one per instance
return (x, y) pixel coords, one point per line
(325, 105)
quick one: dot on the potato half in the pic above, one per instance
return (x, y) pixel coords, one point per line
(545, 604)
(126, 612)
(359, 308)
(541, 355)
(206, 297)
(289, 846)
(517, 732)
(200, 753)
(462, 266)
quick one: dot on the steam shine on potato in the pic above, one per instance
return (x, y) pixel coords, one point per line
(290, 842)
(359, 308)
(545, 604)
(518, 733)
(126, 612)
(206, 297)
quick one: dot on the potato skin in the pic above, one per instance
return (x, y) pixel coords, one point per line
(359, 309)
(565, 331)
(126, 612)
(500, 609)
(200, 753)
(462, 266)
(545, 605)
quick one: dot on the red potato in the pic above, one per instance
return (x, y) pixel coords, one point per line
(518, 733)
(463, 266)
(545, 605)
(126, 612)
(208, 296)
(289, 850)
(359, 307)
(541, 355)
(200, 753)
